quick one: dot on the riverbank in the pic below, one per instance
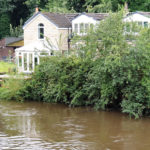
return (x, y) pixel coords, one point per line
(104, 74)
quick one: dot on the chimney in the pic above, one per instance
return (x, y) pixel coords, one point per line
(36, 10)
(126, 7)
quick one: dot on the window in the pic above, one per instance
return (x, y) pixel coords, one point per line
(86, 27)
(140, 23)
(76, 28)
(82, 28)
(41, 31)
(145, 24)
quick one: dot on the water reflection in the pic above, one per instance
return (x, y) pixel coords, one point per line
(34, 125)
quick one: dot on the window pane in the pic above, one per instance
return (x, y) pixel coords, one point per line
(140, 23)
(81, 28)
(30, 62)
(25, 61)
(91, 26)
(41, 33)
(36, 61)
(86, 28)
(76, 28)
(146, 24)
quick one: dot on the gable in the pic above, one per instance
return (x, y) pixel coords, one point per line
(36, 17)
(137, 17)
(84, 19)
(60, 21)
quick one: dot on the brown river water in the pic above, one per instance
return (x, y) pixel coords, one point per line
(42, 126)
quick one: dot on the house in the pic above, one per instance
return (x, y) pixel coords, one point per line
(141, 18)
(47, 33)
(8, 46)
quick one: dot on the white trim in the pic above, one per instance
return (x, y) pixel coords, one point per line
(64, 28)
(83, 15)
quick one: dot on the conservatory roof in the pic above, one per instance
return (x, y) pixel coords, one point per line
(37, 46)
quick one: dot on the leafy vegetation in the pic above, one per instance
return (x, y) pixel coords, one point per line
(10, 89)
(25, 8)
(104, 71)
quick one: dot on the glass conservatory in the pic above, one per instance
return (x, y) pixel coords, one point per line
(28, 56)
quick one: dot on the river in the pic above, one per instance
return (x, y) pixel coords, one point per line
(42, 126)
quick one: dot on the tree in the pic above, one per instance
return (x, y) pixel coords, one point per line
(104, 6)
(20, 11)
(4, 25)
(136, 5)
(77, 5)
(16, 31)
(11, 11)
(56, 6)
(32, 4)
(5, 9)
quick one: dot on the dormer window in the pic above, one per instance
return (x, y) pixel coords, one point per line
(41, 31)
(81, 28)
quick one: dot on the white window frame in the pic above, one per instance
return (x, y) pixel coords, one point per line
(77, 28)
(40, 26)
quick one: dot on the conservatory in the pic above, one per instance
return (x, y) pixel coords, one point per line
(28, 56)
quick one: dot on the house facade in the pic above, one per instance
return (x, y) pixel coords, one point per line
(47, 33)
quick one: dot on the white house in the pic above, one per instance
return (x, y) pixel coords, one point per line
(45, 33)
(142, 18)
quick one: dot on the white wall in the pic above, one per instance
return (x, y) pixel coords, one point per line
(137, 18)
(84, 19)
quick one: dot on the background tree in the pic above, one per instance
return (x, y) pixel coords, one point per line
(20, 11)
(77, 5)
(32, 4)
(4, 25)
(5, 8)
(104, 6)
(56, 6)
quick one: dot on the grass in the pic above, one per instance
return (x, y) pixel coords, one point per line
(6, 67)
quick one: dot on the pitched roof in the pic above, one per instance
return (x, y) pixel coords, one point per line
(96, 16)
(10, 40)
(60, 20)
(146, 14)
(64, 20)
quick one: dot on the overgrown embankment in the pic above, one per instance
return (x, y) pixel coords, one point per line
(107, 72)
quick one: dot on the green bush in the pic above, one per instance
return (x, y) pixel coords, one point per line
(109, 72)
(10, 89)
(59, 79)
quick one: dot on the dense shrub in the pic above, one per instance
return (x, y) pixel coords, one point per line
(59, 79)
(10, 89)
